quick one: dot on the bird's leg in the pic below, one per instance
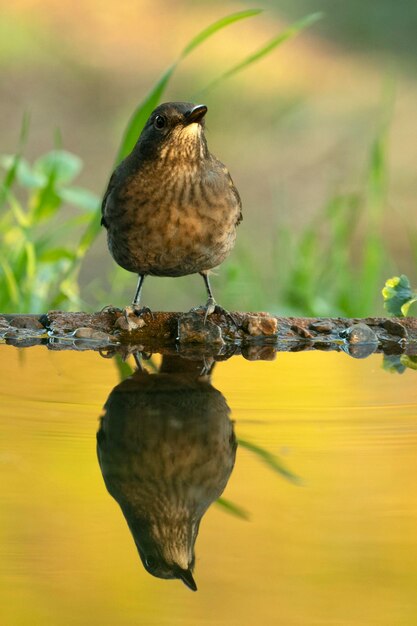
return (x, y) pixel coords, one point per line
(139, 357)
(135, 307)
(109, 308)
(211, 305)
(136, 299)
(138, 361)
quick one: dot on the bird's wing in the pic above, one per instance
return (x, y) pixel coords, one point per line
(239, 202)
(232, 187)
(109, 189)
(237, 197)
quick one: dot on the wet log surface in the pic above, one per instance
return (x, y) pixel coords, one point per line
(255, 335)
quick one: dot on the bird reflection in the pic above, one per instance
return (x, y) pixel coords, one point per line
(166, 448)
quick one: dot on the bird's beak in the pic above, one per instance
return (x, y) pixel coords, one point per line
(187, 578)
(196, 114)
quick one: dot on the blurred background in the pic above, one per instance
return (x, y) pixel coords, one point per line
(319, 136)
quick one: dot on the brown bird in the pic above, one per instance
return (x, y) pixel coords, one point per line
(171, 207)
(166, 449)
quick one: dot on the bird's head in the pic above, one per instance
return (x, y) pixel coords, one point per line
(157, 566)
(174, 131)
(167, 560)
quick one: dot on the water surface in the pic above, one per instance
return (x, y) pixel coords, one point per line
(319, 516)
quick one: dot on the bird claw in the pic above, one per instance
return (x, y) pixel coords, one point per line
(209, 308)
(212, 307)
(109, 308)
(221, 311)
(134, 310)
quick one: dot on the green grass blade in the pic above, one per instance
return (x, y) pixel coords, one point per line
(377, 177)
(30, 260)
(89, 235)
(215, 27)
(21, 217)
(124, 368)
(10, 281)
(24, 131)
(9, 179)
(292, 31)
(145, 108)
(12, 170)
(270, 459)
(141, 114)
(232, 508)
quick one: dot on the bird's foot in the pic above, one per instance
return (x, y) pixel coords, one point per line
(221, 311)
(207, 308)
(109, 308)
(134, 310)
(212, 307)
(139, 357)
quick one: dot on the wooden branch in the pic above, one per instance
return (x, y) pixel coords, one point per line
(255, 335)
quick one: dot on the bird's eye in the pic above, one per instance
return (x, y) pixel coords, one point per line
(159, 122)
(150, 562)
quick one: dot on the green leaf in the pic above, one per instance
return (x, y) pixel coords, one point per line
(292, 31)
(232, 508)
(29, 178)
(405, 309)
(7, 161)
(63, 166)
(45, 202)
(24, 174)
(271, 460)
(81, 198)
(53, 255)
(397, 293)
(409, 361)
(215, 27)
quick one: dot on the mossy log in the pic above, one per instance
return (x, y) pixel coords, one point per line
(255, 335)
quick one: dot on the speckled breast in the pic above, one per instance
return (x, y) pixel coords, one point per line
(181, 228)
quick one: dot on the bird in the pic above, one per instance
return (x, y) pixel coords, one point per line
(171, 207)
(166, 448)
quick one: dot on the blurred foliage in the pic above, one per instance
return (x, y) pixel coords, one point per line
(399, 363)
(39, 266)
(398, 296)
(336, 265)
(40, 252)
(331, 271)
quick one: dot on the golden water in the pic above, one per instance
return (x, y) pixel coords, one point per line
(336, 547)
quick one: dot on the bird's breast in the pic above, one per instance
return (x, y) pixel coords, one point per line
(176, 224)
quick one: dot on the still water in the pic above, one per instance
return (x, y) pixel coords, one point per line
(317, 524)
